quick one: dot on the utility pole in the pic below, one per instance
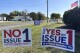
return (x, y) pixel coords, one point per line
(78, 3)
(47, 11)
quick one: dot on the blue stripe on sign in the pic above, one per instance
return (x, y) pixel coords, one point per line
(44, 31)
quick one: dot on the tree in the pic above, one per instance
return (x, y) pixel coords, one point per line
(41, 16)
(53, 15)
(33, 15)
(9, 17)
(4, 14)
(15, 13)
(24, 13)
(44, 17)
(72, 18)
(57, 16)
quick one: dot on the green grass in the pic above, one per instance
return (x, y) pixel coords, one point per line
(36, 46)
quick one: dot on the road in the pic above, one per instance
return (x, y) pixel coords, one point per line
(12, 24)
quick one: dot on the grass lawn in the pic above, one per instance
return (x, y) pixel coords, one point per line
(36, 46)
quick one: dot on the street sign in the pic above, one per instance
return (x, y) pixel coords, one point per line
(58, 38)
(16, 37)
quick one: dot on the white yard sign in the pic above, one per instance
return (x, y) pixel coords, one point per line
(16, 37)
(58, 38)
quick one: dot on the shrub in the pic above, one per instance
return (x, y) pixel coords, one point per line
(72, 18)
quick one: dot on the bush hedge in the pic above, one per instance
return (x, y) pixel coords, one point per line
(72, 18)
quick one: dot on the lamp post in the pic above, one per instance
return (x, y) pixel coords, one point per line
(47, 11)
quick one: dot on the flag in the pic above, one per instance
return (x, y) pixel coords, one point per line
(74, 4)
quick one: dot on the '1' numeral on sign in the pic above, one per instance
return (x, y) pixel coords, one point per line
(26, 33)
(69, 37)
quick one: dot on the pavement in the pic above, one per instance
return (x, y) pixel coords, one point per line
(13, 24)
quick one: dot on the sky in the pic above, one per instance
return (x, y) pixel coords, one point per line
(55, 6)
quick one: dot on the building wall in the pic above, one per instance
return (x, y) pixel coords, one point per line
(19, 17)
(2, 18)
(22, 18)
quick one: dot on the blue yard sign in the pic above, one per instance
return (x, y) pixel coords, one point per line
(36, 22)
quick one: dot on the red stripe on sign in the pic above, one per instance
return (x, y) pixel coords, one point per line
(69, 37)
